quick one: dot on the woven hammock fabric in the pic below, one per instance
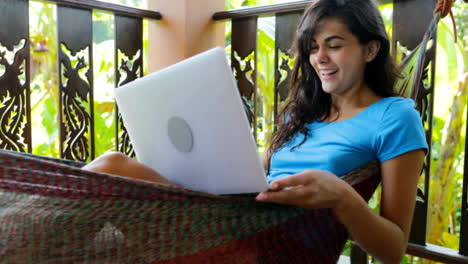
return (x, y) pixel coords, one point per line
(51, 211)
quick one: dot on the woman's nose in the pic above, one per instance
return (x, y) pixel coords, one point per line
(321, 56)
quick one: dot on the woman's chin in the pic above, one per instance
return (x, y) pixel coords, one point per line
(329, 89)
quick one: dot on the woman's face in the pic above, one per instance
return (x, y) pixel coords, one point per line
(338, 58)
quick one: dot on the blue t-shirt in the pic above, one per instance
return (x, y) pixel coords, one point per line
(385, 129)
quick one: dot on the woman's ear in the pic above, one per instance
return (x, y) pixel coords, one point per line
(372, 49)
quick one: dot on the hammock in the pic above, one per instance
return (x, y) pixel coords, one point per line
(51, 211)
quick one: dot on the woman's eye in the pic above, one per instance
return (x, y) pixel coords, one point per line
(335, 47)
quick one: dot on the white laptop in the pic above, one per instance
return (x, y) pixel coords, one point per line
(188, 123)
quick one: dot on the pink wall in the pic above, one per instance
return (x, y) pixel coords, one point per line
(185, 30)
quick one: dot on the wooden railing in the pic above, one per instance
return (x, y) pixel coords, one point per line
(407, 32)
(75, 53)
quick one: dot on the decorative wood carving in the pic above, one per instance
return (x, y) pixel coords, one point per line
(129, 66)
(76, 83)
(15, 117)
(243, 63)
(286, 25)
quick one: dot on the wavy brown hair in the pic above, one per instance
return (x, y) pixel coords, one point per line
(307, 101)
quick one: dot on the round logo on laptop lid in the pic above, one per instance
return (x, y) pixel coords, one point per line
(180, 134)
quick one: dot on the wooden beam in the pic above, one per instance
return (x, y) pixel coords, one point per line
(436, 253)
(114, 8)
(269, 10)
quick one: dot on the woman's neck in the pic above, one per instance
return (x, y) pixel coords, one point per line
(351, 103)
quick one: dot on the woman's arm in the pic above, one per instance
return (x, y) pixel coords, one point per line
(384, 236)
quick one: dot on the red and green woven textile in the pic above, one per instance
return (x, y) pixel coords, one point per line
(51, 211)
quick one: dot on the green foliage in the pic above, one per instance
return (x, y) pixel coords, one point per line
(103, 27)
(104, 83)
(44, 78)
(265, 80)
(448, 134)
(461, 19)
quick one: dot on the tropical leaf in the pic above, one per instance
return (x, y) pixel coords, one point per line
(266, 77)
(405, 84)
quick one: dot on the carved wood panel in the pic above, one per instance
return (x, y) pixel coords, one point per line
(129, 66)
(76, 83)
(15, 117)
(286, 24)
(243, 63)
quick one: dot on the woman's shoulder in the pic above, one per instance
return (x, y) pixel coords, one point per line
(399, 110)
(397, 106)
(397, 102)
(400, 129)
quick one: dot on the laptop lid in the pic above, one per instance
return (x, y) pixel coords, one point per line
(188, 123)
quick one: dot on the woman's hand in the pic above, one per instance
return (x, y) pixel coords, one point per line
(308, 189)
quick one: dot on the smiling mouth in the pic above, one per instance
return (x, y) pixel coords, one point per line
(328, 74)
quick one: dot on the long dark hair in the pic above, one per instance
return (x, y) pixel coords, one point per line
(307, 101)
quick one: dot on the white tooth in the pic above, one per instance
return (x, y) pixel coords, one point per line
(327, 72)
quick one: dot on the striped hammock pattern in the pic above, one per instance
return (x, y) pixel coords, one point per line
(51, 211)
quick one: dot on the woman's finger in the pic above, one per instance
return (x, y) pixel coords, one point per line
(290, 181)
(292, 196)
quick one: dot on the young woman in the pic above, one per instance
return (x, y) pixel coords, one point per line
(340, 114)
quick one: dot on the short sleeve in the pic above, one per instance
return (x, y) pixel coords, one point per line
(400, 131)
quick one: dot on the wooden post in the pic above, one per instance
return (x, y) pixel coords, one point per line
(187, 28)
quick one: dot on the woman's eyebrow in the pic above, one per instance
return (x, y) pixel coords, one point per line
(328, 39)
